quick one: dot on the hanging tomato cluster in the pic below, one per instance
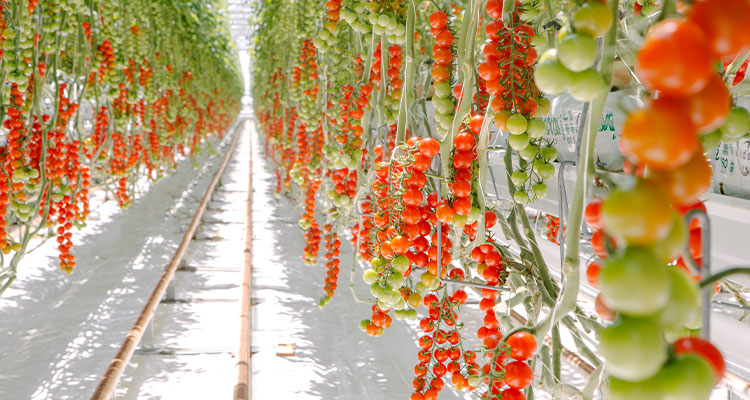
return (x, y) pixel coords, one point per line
(645, 217)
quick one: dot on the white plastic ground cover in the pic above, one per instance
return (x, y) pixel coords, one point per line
(192, 354)
(58, 332)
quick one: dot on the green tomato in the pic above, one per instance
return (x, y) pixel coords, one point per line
(400, 263)
(710, 140)
(411, 315)
(552, 77)
(395, 280)
(548, 55)
(518, 142)
(529, 152)
(549, 153)
(587, 84)
(459, 221)
(442, 104)
(635, 282)
(442, 89)
(427, 279)
(536, 128)
(737, 124)
(420, 288)
(594, 18)
(540, 190)
(688, 377)
(640, 215)
(363, 325)
(543, 106)
(473, 216)
(474, 380)
(669, 248)
(516, 124)
(619, 389)
(544, 169)
(518, 178)
(370, 276)
(633, 347)
(399, 314)
(684, 300)
(520, 197)
(577, 52)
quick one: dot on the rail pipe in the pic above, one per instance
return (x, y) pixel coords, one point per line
(242, 388)
(108, 383)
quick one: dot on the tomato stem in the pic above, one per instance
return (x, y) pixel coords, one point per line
(723, 274)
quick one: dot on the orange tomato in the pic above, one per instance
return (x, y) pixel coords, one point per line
(725, 24)
(687, 183)
(660, 135)
(675, 59)
(710, 107)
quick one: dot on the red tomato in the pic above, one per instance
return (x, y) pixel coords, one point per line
(513, 394)
(518, 375)
(710, 107)
(465, 141)
(703, 348)
(593, 213)
(592, 273)
(522, 346)
(429, 147)
(438, 19)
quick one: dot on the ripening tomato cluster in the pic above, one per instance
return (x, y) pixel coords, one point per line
(401, 234)
(442, 70)
(508, 75)
(645, 217)
(553, 229)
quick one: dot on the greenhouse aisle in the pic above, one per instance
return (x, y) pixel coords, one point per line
(60, 334)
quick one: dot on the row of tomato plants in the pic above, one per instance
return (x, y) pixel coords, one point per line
(382, 113)
(103, 93)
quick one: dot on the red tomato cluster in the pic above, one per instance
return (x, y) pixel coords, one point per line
(332, 262)
(509, 362)
(508, 68)
(441, 354)
(441, 68)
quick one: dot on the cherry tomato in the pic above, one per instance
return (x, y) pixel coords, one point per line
(660, 135)
(709, 108)
(522, 346)
(703, 348)
(593, 213)
(593, 18)
(676, 58)
(686, 183)
(633, 347)
(640, 215)
(518, 375)
(687, 377)
(725, 24)
(635, 282)
(592, 274)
